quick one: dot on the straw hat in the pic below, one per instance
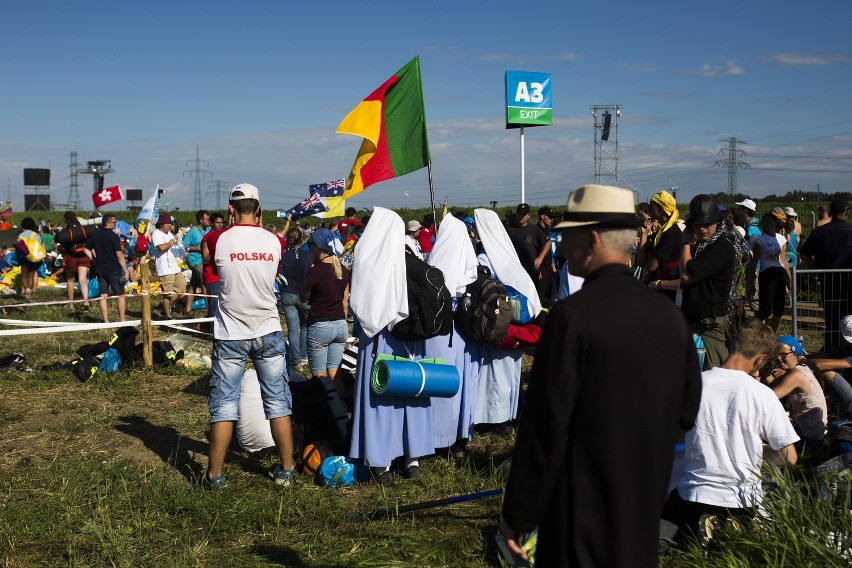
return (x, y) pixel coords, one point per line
(599, 205)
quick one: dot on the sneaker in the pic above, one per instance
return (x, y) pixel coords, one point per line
(281, 476)
(218, 482)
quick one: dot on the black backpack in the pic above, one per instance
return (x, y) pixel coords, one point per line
(430, 306)
(483, 313)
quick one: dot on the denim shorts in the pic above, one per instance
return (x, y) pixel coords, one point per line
(229, 360)
(326, 341)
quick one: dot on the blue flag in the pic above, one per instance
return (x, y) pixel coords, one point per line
(310, 206)
(330, 189)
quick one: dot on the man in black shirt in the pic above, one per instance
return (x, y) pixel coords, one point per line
(546, 268)
(104, 248)
(707, 265)
(830, 246)
(529, 241)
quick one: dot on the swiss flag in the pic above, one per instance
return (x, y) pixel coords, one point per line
(107, 195)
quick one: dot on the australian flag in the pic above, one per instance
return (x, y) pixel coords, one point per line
(310, 206)
(330, 189)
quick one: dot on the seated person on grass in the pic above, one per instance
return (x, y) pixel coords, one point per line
(740, 423)
(793, 380)
(828, 366)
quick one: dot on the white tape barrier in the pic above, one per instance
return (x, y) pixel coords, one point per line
(98, 298)
(63, 327)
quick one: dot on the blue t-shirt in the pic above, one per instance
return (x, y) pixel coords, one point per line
(193, 239)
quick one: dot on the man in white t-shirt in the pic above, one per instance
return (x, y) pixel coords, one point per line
(740, 422)
(246, 258)
(172, 282)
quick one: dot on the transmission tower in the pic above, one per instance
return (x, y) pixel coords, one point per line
(198, 173)
(221, 189)
(8, 188)
(732, 162)
(74, 193)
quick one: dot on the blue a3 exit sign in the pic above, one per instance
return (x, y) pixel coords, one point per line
(528, 101)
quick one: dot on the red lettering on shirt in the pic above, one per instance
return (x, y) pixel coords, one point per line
(262, 256)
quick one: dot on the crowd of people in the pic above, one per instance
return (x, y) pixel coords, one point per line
(630, 306)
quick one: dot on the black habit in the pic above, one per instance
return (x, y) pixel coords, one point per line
(615, 379)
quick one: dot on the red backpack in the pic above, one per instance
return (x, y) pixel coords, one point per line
(141, 244)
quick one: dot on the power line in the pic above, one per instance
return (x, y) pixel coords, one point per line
(733, 163)
(8, 188)
(198, 173)
(74, 191)
(221, 189)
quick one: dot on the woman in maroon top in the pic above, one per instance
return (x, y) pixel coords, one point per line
(326, 289)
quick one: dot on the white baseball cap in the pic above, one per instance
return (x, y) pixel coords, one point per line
(790, 212)
(246, 191)
(748, 204)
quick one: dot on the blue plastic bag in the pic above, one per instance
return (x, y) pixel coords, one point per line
(199, 304)
(340, 471)
(110, 361)
(520, 307)
(700, 349)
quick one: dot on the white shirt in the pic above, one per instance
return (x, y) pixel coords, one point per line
(412, 243)
(164, 261)
(246, 258)
(724, 451)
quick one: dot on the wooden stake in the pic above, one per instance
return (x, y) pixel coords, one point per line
(147, 329)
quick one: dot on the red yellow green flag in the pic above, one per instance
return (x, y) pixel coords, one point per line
(392, 122)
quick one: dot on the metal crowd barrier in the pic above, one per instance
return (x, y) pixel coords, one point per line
(809, 306)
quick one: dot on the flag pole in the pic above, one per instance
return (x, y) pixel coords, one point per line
(432, 193)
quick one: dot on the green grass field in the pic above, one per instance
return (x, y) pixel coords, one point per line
(106, 473)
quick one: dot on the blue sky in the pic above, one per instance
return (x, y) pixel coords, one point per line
(259, 88)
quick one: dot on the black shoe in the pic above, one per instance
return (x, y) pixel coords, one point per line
(385, 479)
(458, 447)
(504, 430)
(412, 472)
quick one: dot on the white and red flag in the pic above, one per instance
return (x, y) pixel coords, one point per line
(107, 195)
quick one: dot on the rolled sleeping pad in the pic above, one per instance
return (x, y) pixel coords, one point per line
(792, 259)
(404, 377)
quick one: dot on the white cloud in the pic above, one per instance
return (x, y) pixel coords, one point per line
(511, 57)
(789, 58)
(728, 69)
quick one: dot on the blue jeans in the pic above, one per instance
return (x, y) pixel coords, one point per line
(295, 314)
(213, 289)
(229, 362)
(326, 341)
(840, 392)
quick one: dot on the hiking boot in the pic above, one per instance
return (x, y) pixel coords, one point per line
(218, 482)
(281, 476)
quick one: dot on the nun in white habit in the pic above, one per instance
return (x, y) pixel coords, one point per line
(385, 427)
(452, 418)
(500, 376)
